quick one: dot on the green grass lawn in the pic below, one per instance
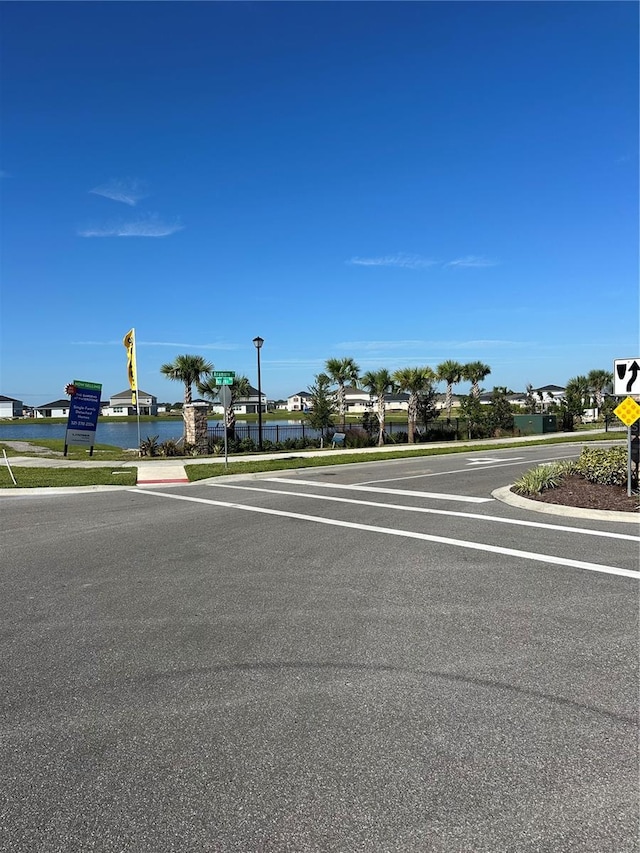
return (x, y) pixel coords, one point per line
(34, 478)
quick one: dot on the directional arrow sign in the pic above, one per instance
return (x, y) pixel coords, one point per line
(626, 376)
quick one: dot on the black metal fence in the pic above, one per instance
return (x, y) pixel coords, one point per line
(276, 433)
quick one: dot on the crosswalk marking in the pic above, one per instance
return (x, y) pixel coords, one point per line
(407, 534)
(439, 496)
(562, 528)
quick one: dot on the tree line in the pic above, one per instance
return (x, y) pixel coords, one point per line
(328, 392)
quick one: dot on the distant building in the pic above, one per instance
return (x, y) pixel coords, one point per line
(55, 409)
(244, 405)
(10, 408)
(120, 404)
(299, 402)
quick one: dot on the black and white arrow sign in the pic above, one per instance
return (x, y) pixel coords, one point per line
(626, 376)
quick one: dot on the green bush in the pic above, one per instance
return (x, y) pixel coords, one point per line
(169, 447)
(543, 477)
(607, 466)
(149, 447)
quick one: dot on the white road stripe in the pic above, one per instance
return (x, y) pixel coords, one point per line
(466, 470)
(435, 495)
(407, 534)
(562, 528)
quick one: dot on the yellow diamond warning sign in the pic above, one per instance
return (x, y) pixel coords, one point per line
(628, 411)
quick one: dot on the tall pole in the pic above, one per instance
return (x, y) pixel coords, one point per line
(257, 342)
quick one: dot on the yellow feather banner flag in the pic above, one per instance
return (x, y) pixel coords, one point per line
(129, 342)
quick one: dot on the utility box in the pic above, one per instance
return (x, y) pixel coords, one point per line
(535, 424)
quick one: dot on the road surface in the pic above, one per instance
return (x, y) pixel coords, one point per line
(377, 657)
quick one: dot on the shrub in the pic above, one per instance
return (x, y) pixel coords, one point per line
(169, 447)
(607, 466)
(357, 437)
(149, 447)
(543, 477)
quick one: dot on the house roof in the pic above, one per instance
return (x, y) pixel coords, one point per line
(128, 392)
(4, 399)
(550, 388)
(56, 404)
(298, 394)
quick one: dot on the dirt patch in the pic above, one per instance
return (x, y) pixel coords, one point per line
(577, 491)
(27, 447)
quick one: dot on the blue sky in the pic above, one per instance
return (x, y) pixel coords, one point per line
(402, 183)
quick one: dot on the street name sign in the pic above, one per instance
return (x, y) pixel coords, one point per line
(626, 376)
(223, 377)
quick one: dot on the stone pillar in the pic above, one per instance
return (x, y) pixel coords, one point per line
(196, 427)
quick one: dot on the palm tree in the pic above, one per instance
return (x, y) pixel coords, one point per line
(451, 373)
(341, 371)
(599, 381)
(240, 388)
(189, 369)
(475, 372)
(576, 400)
(413, 380)
(378, 383)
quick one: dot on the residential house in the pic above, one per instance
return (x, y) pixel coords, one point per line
(120, 404)
(244, 405)
(11, 408)
(299, 402)
(55, 409)
(549, 394)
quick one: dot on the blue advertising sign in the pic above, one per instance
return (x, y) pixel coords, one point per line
(83, 413)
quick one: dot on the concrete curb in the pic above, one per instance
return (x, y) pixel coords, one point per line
(505, 495)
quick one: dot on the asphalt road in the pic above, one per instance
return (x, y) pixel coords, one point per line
(364, 658)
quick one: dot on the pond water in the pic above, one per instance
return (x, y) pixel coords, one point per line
(126, 434)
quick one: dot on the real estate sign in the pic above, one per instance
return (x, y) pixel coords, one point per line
(83, 414)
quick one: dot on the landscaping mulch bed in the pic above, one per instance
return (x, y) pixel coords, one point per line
(577, 491)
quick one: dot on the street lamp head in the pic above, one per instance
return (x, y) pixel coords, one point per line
(257, 342)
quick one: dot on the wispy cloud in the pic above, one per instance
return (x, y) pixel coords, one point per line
(418, 262)
(219, 345)
(471, 261)
(386, 346)
(145, 226)
(127, 191)
(400, 259)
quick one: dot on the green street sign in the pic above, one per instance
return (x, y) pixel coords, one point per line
(223, 380)
(217, 374)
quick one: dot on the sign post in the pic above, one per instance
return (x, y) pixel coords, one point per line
(225, 398)
(83, 414)
(629, 412)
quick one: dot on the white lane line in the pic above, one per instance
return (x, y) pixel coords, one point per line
(407, 534)
(466, 470)
(493, 461)
(562, 528)
(361, 488)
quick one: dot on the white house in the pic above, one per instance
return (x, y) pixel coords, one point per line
(120, 404)
(244, 405)
(299, 402)
(55, 409)
(10, 408)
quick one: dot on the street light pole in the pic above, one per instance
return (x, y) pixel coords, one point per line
(257, 342)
